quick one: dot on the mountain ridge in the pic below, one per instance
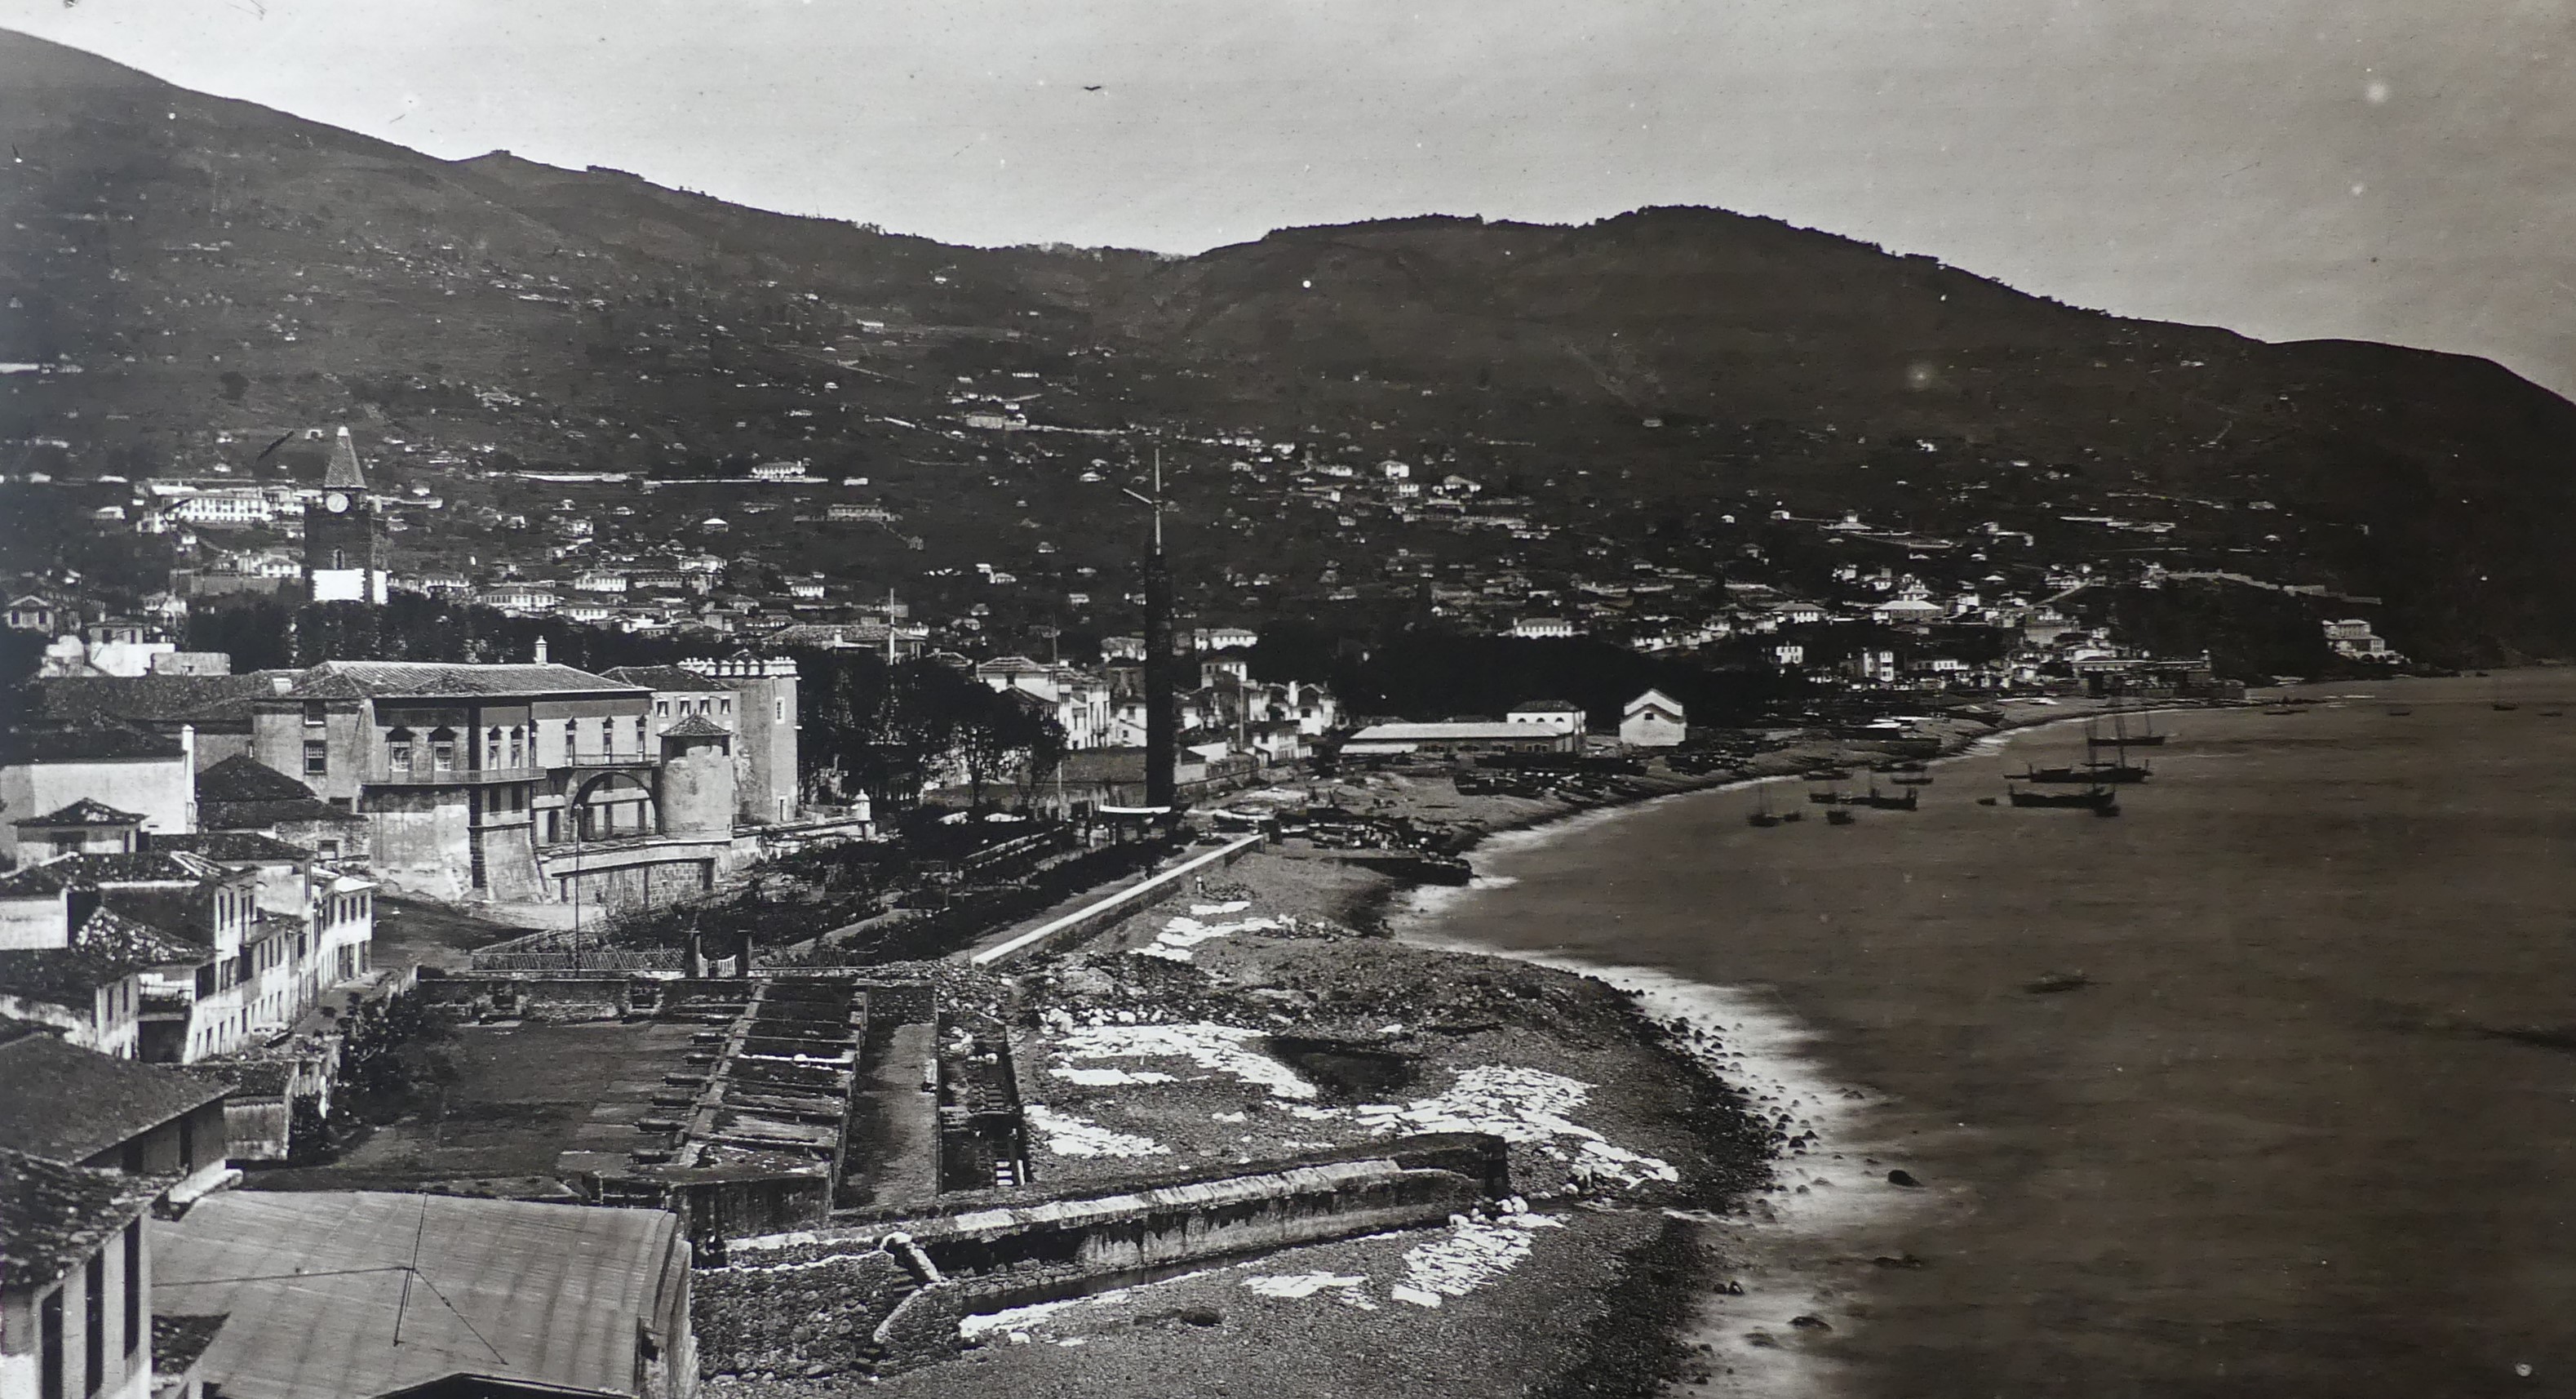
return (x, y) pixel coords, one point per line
(224, 268)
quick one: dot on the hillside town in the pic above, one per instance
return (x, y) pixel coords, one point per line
(220, 1035)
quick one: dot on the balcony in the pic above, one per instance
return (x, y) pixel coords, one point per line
(612, 758)
(382, 774)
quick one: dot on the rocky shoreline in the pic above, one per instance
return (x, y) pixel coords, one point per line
(1269, 1011)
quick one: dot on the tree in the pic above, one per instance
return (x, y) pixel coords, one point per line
(1003, 729)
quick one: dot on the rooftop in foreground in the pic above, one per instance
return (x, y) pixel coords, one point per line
(557, 1294)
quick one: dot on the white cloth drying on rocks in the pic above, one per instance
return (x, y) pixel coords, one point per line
(1216, 1048)
(1067, 1135)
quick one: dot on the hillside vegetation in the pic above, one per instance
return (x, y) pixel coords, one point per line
(196, 276)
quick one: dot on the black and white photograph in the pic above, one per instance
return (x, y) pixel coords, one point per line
(1287, 699)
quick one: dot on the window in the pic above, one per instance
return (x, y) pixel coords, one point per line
(398, 750)
(492, 749)
(639, 733)
(315, 712)
(49, 1339)
(442, 750)
(661, 709)
(317, 758)
(778, 710)
(515, 759)
(572, 739)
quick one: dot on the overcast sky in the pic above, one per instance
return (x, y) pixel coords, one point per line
(2387, 169)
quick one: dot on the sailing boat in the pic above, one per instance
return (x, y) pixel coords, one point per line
(2097, 798)
(1761, 816)
(2093, 773)
(1883, 802)
(2123, 736)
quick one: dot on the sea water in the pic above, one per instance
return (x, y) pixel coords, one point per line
(2266, 1087)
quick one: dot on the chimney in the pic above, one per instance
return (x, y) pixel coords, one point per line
(280, 684)
(541, 650)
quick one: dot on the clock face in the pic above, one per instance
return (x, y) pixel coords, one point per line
(335, 502)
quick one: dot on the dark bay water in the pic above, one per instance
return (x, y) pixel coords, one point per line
(2308, 1125)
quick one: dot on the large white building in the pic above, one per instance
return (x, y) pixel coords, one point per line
(237, 508)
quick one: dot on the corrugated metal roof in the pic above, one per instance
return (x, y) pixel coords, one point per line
(552, 1293)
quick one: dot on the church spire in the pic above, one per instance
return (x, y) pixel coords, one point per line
(343, 473)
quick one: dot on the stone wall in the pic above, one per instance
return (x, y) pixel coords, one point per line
(804, 1313)
(419, 839)
(800, 1297)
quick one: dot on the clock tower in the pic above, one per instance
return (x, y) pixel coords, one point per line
(344, 545)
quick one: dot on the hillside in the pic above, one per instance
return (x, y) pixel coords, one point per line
(196, 276)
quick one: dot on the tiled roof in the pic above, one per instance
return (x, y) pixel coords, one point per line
(235, 847)
(81, 742)
(1548, 706)
(140, 867)
(263, 815)
(108, 947)
(68, 1104)
(697, 726)
(255, 1078)
(663, 677)
(174, 914)
(431, 680)
(195, 699)
(52, 1217)
(177, 1341)
(59, 976)
(36, 881)
(242, 778)
(118, 939)
(85, 812)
